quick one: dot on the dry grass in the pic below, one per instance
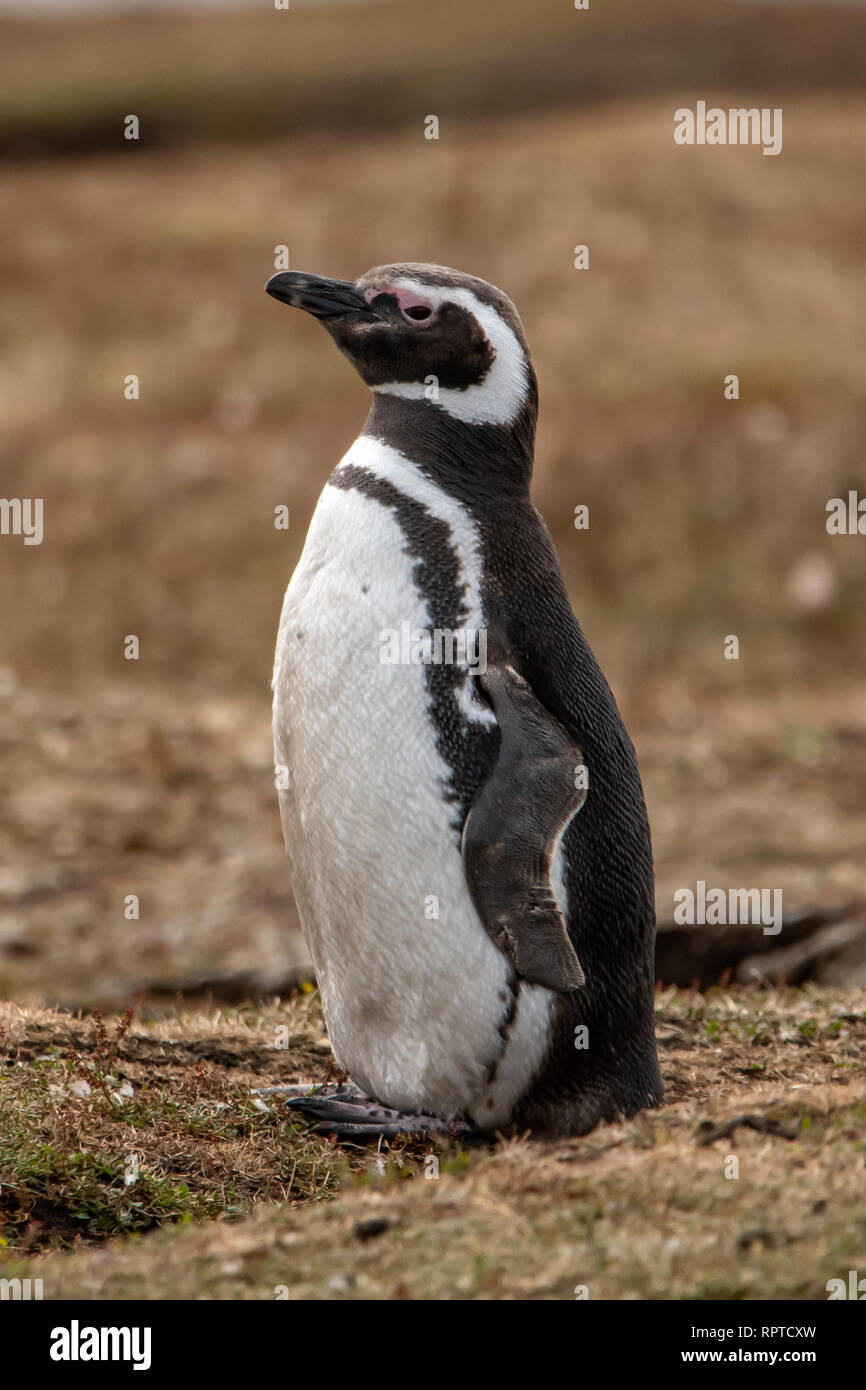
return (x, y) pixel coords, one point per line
(86, 1102)
(647, 1209)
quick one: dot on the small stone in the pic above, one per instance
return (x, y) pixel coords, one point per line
(375, 1226)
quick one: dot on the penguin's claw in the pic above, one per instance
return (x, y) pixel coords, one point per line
(352, 1117)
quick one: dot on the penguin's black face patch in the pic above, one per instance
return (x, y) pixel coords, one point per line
(414, 339)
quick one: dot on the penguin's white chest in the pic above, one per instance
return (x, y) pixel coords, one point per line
(416, 996)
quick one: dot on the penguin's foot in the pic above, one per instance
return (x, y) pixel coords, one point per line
(350, 1115)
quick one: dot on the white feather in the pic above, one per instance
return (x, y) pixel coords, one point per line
(413, 1001)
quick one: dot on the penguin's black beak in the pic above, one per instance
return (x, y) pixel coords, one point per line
(324, 299)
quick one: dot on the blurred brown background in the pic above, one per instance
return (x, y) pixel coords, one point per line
(707, 517)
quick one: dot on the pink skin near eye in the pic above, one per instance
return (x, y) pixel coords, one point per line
(407, 300)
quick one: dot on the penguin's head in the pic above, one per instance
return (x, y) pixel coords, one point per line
(425, 333)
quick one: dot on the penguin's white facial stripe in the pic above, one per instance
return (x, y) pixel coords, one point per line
(393, 467)
(498, 399)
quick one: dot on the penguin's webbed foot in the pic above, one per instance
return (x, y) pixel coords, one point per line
(350, 1115)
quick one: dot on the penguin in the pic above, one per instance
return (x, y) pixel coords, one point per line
(462, 811)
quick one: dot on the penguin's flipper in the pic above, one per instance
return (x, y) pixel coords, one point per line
(512, 829)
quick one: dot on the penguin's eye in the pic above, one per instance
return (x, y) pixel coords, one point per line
(418, 312)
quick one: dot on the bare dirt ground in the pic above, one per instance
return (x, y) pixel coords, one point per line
(168, 795)
(706, 517)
